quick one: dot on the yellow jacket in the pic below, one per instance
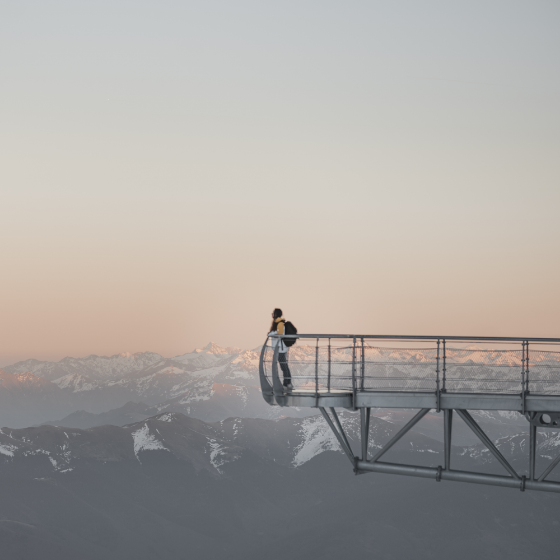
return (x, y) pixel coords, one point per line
(279, 330)
(280, 325)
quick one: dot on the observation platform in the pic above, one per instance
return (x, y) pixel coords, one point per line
(361, 372)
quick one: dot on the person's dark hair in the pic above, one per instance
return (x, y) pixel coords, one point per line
(275, 315)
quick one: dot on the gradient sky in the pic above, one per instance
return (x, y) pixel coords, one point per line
(171, 171)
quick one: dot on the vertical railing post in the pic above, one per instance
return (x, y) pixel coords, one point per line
(443, 387)
(362, 374)
(437, 379)
(317, 367)
(354, 371)
(527, 367)
(329, 369)
(523, 385)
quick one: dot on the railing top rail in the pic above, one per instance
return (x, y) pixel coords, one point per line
(421, 337)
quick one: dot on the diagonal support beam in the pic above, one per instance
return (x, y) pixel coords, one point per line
(341, 429)
(549, 469)
(341, 441)
(487, 442)
(400, 434)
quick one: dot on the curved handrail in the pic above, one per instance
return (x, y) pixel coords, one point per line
(268, 393)
(278, 387)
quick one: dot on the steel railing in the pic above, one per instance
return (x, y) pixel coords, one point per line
(325, 363)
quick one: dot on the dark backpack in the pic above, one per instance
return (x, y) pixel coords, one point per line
(289, 328)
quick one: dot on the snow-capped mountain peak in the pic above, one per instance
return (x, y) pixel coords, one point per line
(92, 366)
(213, 348)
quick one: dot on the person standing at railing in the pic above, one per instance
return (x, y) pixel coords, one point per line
(278, 328)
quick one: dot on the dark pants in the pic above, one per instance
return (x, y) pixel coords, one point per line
(284, 367)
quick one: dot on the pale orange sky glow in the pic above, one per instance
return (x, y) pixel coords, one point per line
(171, 172)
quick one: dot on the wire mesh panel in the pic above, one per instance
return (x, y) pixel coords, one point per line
(301, 363)
(475, 370)
(312, 370)
(347, 364)
(400, 369)
(544, 372)
(341, 367)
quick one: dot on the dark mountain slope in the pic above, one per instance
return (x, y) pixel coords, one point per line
(172, 487)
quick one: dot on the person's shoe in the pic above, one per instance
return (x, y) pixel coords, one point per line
(289, 386)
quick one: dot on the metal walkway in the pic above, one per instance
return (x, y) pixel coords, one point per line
(449, 374)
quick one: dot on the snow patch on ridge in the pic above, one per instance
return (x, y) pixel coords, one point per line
(169, 417)
(316, 438)
(217, 454)
(8, 450)
(144, 441)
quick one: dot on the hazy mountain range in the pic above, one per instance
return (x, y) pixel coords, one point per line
(210, 383)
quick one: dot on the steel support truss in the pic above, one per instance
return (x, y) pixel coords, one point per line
(364, 464)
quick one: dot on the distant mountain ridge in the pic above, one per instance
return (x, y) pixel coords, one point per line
(117, 366)
(210, 383)
(92, 366)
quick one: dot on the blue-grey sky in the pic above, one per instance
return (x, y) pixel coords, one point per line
(171, 171)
